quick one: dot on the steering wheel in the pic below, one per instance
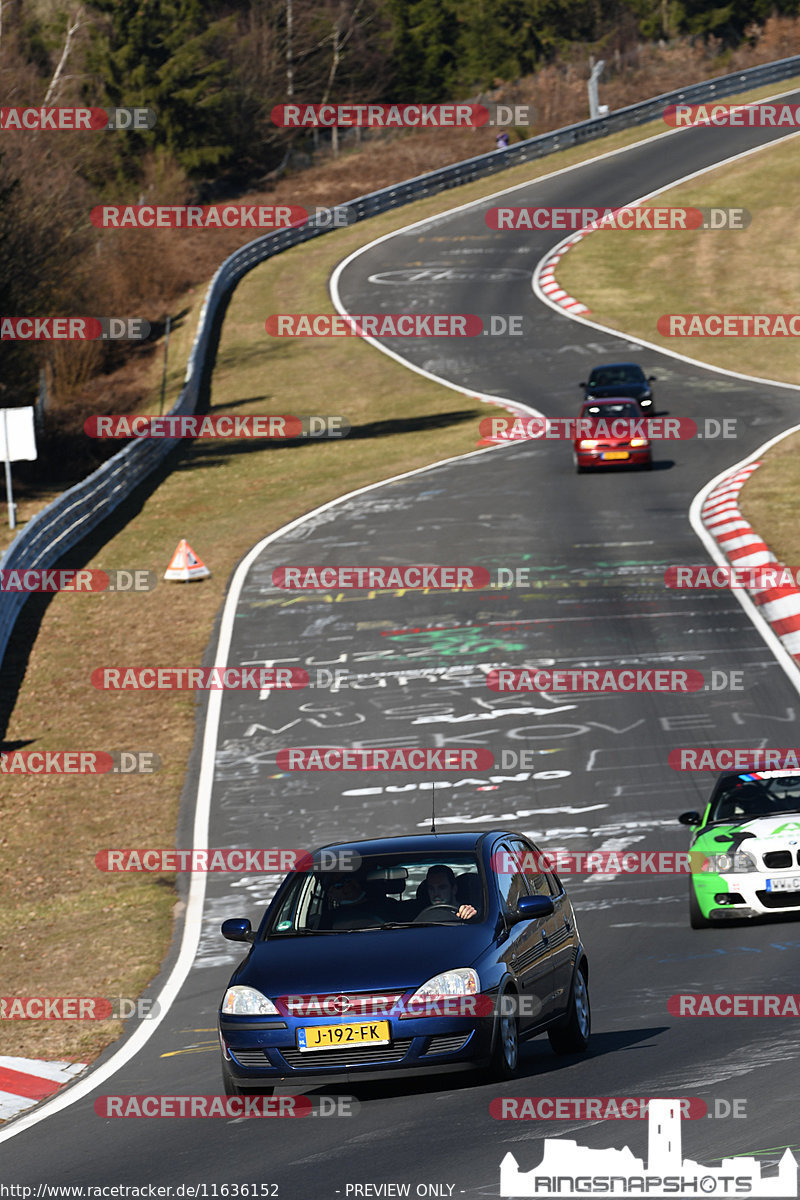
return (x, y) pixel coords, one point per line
(434, 912)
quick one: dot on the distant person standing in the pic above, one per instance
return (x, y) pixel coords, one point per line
(502, 140)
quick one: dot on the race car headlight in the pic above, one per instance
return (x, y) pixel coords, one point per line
(462, 981)
(723, 864)
(637, 443)
(587, 444)
(647, 398)
(243, 1001)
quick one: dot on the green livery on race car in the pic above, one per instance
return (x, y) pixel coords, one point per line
(745, 849)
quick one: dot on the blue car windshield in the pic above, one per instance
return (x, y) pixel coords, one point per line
(757, 795)
(380, 891)
(608, 376)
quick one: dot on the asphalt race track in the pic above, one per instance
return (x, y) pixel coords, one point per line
(596, 548)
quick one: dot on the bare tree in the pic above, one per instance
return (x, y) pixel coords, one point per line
(55, 81)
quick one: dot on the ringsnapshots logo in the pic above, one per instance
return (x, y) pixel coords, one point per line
(570, 1170)
(631, 217)
(73, 329)
(71, 119)
(211, 425)
(86, 579)
(400, 116)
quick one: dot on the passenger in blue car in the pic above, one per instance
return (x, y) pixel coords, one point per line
(351, 907)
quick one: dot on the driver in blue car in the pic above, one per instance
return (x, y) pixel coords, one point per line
(441, 886)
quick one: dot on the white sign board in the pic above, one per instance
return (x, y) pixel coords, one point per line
(17, 438)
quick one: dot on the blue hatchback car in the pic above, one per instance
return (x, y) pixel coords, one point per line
(434, 952)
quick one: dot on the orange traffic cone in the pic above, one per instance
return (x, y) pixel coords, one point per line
(185, 564)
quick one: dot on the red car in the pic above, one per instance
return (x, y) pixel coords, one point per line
(599, 445)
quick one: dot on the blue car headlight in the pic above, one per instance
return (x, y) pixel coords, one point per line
(461, 981)
(240, 1001)
(724, 864)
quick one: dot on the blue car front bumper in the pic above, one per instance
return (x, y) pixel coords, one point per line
(267, 1051)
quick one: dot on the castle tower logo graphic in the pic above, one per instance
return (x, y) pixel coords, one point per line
(568, 1169)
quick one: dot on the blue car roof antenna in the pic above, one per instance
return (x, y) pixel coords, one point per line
(433, 807)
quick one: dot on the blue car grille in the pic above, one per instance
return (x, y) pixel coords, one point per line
(346, 1056)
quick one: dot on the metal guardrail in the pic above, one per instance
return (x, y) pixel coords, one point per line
(67, 519)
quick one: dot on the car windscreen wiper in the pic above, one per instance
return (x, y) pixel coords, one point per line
(307, 932)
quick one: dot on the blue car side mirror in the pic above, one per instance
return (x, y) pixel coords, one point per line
(531, 907)
(238, 929)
